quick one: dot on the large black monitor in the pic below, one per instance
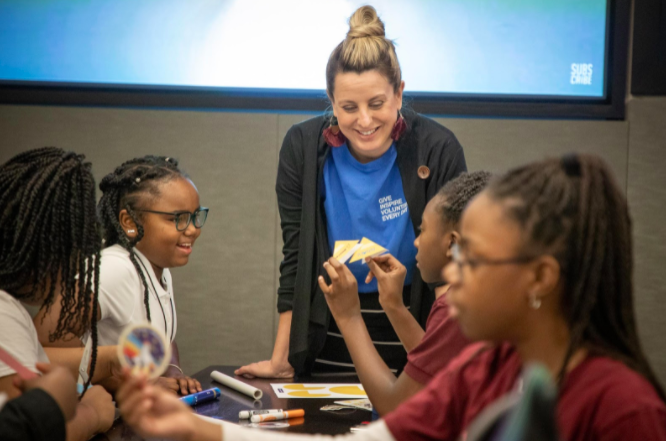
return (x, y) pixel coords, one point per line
(535, 58)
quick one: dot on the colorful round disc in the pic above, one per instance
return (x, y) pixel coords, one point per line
(143, 349)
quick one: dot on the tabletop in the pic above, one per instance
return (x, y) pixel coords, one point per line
(231, 403)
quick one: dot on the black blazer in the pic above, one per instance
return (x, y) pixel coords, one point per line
(299, 184)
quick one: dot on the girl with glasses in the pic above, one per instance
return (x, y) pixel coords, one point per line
(545, 275)
(151, 217)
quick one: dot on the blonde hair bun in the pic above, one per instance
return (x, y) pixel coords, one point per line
(365, 48)
(365, 23)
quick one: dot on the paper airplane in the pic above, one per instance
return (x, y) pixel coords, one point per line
(344, 249)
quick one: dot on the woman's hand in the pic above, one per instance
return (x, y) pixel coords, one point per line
(58, 382)
(390, 275)
(278, 366)
(154, 412)
(342, 293)
(266, 369)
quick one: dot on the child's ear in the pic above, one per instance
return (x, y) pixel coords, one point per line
(546, 278)
(127, 224)
(454, 238)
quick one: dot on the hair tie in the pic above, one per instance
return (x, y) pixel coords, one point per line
(571, 165)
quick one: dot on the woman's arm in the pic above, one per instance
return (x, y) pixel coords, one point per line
(289, 191)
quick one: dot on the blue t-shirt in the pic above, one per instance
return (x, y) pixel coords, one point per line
(367, 200)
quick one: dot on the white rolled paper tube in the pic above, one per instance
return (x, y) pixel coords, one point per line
(241, 387)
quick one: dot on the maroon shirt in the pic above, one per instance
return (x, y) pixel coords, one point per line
(443, 340)
(600, 399)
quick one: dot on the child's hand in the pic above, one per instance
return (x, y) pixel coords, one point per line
(170, 385)
(58, 382)
(342, 293)
(152, 411)
(101, 407)
(185, 385)
(390, 275)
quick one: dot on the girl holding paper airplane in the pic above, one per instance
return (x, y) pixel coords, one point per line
(429, 351)
(362, 174)
(543, 272)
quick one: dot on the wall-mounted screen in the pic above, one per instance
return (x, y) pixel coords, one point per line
(525, 50)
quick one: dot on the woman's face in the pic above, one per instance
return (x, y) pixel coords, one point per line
(489, 301)
(367, 108)
(162, 244)
(432, 243)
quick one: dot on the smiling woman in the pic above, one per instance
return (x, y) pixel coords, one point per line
(365, 170)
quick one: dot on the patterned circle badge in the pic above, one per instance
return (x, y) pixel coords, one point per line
(143, 349)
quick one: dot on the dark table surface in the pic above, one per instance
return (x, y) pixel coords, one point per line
(232, 402)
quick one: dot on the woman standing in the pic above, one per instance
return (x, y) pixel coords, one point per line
(366, 171)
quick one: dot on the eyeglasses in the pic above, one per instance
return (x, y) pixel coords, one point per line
(182, 219)
(473, 263)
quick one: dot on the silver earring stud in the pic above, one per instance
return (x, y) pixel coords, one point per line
(535, 302)
(130, 231)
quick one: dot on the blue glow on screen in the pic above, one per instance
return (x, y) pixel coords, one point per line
(515, 47)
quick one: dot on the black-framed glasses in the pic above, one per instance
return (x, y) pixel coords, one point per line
(473, 263)
(182, 219)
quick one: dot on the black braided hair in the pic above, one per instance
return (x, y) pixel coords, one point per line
(48, 232)
(454, 196)
(573, 209)
(127, 188)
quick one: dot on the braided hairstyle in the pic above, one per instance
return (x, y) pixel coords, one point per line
(573, 209)
(126, 188)
(454, 196)
(50, 238)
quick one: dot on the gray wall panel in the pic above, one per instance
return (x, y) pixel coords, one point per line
(226, 295)
(499, 144)
(647, 201)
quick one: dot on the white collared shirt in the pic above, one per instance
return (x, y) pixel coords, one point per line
(121, 296)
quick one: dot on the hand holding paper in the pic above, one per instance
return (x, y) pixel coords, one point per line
(346, 249)
(342, 293)
(390, 275)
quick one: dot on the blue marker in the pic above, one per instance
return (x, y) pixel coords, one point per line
(200, 397)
